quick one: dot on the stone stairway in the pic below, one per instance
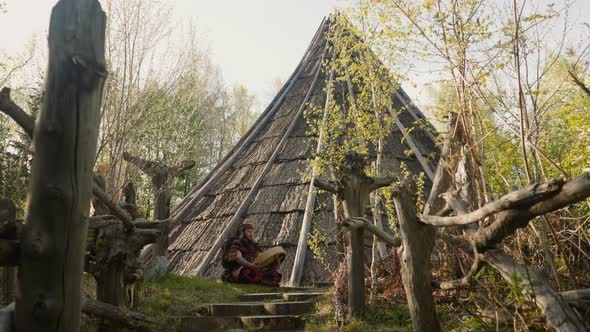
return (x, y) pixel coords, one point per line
(284, 310)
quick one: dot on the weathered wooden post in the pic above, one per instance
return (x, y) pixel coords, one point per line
(161, 176)
(54, 235)
(8, 235)
(415, 257)
(353, 187)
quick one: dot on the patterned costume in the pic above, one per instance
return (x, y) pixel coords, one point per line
(237, 273)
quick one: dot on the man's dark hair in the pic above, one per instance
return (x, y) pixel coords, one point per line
(244, 227)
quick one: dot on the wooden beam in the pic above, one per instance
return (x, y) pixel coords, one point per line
(299, 261)
(356, 222)
(413, 146)
(412, 110)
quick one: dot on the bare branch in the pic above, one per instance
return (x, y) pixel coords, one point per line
(576, 296)
(463, 282)
(116, 210)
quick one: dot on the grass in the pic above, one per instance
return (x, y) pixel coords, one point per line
(175, 295)
(378, 317)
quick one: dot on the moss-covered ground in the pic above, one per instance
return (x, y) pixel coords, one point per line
(175, 296)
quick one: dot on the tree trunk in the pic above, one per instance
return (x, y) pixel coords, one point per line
(416, 265)
(162, 198)
(7, 285)
(161, 176)
(8, 230)
(54, 237)
(356, 272)
(110, 288)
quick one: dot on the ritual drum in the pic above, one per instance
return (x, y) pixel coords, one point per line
(270, 258)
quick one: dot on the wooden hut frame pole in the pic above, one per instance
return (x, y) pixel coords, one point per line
(183, 209)
(233, 224)
(412, 145)
(299, 261)
(413, 110)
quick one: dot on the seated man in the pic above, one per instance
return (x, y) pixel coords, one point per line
(238, 256)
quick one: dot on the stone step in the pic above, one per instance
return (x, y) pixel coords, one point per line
(207, 323)
(273, 323)
(276, 307)
(303, 296)
(257, 297)
(322, 284)
(290, 308)
(236, 309)
(286, 289)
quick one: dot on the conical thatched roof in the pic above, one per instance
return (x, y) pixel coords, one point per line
(262, 179)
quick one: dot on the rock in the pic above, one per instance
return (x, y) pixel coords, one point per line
(158, 269)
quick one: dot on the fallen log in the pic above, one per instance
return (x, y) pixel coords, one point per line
(576, 296)
(120, 316)
(558, 314)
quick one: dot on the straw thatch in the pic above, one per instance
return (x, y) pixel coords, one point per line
(275, 205)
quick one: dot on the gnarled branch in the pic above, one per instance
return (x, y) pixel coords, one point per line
(366, 224)
(523, 197)
(327, 185)
(509, 220)
(382, 182)
(149, 167)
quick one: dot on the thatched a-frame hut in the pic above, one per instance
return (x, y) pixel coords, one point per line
(263, 181)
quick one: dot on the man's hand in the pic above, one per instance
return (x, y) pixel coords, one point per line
(256, 267)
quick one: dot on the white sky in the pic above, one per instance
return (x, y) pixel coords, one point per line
(253, 41)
